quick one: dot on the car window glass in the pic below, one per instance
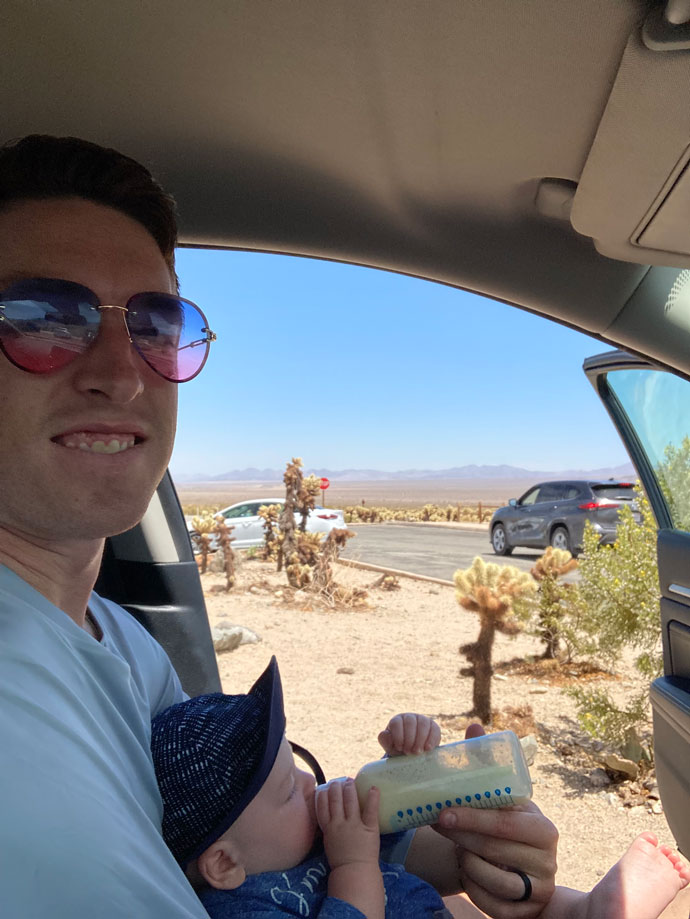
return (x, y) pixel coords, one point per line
(620, 492)
(530, 498)
(658, 407)
(571, 492)
(551, 492)
(242, 510)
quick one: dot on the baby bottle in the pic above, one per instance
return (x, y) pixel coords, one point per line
(487, 771)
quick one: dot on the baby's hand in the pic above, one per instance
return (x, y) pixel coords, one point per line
(410, 733)
(349, 836)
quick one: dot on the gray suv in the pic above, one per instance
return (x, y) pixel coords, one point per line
(554, 514)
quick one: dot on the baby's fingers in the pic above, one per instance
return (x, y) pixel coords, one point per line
(433, 736)
(329, 802)
(350, 801)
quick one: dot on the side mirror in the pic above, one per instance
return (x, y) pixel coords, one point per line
(512, 502)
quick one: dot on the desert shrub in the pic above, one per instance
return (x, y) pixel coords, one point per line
(617, 606)
(429, 513)
(673, 473)
(489, 590)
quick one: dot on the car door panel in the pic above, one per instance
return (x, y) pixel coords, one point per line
(645, 428)
(150, 571)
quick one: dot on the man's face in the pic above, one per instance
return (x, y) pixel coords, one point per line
(54, 485)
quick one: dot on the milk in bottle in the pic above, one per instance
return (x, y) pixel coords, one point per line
(487, 771)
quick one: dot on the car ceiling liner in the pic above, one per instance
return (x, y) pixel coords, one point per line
(633, 198)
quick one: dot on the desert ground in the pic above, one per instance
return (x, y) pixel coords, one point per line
(347, 670)
(491, 492)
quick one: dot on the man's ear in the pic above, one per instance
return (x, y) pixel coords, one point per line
(221, 865)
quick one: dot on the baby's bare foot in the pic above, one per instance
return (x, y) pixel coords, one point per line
(641, 885)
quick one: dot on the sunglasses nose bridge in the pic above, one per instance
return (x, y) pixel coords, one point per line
(123, 309)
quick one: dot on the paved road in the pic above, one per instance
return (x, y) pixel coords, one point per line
(434, 551)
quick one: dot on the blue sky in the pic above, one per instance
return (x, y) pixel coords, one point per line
(351, 367)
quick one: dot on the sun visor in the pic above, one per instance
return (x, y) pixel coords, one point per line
(633, 198)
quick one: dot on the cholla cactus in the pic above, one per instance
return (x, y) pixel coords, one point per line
(204, 525)
(549, 603)
(330, 550)
(223, 531)
(269, 514)
(306, 499)
(488, 590)
(293, 484)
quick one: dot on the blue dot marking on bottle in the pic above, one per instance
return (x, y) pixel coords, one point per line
(478, 797)
(498, 792)
(429, 807)
(508, 789)
(400, 814)
(487, 794)
(450, 803)
(410, 812)
(419, 810)
(439, 806)
(468, 798)
(459, 800)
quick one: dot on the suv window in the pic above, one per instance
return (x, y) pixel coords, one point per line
(552, 491)
(530, 498)
(621, 491)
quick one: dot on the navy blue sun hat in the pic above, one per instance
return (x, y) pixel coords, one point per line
(212, 754)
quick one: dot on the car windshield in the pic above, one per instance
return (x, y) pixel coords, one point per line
(621, 491)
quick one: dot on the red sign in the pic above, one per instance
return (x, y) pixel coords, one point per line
(324, 483)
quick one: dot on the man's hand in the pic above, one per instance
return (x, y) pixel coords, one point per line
(491, 846)
(410, 733)
(349, 836)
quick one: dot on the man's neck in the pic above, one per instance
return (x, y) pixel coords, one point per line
(63, 571)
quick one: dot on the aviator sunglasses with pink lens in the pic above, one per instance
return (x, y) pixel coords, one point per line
(45, 323)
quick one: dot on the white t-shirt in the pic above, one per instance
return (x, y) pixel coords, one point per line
(80, 812)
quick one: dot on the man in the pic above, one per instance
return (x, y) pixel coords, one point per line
(94, 341)
(80, 811)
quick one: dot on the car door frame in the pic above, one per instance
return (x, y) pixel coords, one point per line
(670, 693)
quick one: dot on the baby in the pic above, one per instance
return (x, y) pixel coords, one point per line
(246, 825)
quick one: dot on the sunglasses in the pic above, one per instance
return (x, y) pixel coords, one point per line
(46, 323)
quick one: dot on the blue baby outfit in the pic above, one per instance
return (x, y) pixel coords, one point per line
(303, 891)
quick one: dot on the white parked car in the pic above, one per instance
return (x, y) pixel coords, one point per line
(249, 527)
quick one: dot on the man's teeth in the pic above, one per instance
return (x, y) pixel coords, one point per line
(113, 446)
(92, 443)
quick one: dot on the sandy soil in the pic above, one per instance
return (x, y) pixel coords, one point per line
(346, 671)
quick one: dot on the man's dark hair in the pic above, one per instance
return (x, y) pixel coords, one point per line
(40, 166)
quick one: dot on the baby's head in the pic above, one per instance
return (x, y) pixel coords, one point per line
(233, 801)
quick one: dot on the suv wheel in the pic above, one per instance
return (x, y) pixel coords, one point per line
(499, 540)
(560, 539)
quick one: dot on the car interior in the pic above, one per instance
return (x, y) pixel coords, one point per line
(536, 153)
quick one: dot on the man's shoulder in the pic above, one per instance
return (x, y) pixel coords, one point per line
(148, 661)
